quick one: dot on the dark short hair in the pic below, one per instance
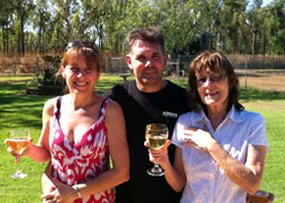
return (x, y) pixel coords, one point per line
(152, 34)
(218, 63)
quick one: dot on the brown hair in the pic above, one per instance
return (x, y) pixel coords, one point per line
(215, 62)
(87, 49)
(152, 34)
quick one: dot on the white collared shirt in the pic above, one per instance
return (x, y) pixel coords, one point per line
(206, 181)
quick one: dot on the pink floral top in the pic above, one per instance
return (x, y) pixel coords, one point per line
(83, 161)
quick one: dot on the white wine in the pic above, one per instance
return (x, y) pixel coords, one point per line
(156, 134)
(157, 141)
(18, 144)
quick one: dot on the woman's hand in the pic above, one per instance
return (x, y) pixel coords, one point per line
(199, 138)
(159, 156)
(62, 194)
(17, 155)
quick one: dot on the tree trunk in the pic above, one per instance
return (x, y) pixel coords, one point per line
(253, 43)
(40, 33)
(22, 32)
(264, 43)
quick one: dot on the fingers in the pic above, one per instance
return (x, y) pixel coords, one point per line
(146, 143)
(14, 154)
(47, 196)
(51, 197)
(154, 156)
(56, 182)
(167, 143)
(195, 129)
(191, 128)
(188, 142)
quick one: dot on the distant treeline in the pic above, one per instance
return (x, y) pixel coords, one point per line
(189, 26)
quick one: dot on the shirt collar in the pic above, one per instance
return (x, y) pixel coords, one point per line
(233, 114)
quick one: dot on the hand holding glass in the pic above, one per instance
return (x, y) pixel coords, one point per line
(156, 135)
(18, 141)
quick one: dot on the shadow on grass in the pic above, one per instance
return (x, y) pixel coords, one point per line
(252, 94)
(13, 85)
(19, 109)
(24, 111)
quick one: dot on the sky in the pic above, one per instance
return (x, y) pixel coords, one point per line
(265, 2)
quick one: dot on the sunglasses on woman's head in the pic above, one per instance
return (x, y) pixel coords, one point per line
(81, 44)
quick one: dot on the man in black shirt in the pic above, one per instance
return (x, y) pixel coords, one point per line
(147, 99)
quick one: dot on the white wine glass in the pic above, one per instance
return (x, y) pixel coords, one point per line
(18, 141)
(156, 134)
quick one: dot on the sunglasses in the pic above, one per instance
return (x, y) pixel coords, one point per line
(89, 45)
(212, 78)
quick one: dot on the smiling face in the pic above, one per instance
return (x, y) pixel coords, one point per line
(147, 61)
(80, 75)
(213, 89)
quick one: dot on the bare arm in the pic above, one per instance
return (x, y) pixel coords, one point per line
(175, 175)
(248, 176)
(47, 180)
(41, 152)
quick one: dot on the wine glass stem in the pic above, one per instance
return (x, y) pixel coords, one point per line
(156, 165)
(18, 162)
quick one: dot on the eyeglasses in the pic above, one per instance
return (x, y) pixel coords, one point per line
(212, 78)
(89, 45)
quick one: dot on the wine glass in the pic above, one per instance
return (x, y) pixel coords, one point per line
(18, 141)
(156, 135)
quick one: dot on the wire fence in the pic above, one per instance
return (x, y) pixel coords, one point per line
(179, 66)
(266, 72)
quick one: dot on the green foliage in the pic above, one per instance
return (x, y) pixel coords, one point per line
(233, 26)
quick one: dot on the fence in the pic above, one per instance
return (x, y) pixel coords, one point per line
(267, 72)
(179, 66)
(176, 67)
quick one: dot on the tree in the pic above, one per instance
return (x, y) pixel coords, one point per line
(22, 7)
(253, 21)
(277, 27)
(6, 11)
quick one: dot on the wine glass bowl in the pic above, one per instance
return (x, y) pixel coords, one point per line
(18, 141)
(156, 135)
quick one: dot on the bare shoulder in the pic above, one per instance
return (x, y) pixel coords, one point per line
(49, 106)
(113, 106)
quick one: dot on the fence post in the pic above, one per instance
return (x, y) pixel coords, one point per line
(15, 65)
(177, 66)
(245, 72)
(37, 68)
(106, 64)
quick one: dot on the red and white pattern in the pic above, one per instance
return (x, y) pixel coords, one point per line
(82, 161)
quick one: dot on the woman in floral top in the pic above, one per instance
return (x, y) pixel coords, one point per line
(80, 132)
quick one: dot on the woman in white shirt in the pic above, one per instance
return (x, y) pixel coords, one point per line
(220, 147)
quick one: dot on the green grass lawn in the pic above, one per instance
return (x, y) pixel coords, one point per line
(20, 111)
